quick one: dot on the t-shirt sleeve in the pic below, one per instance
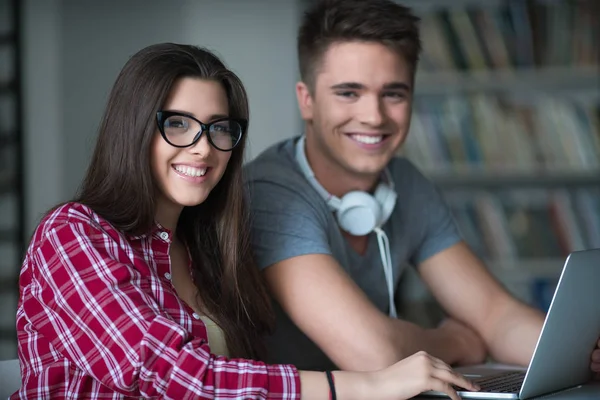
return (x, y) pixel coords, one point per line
(437, 229)
(285, 221)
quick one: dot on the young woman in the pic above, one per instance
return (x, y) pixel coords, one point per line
(144, 286)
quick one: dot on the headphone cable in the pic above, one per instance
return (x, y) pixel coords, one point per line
(386, 260)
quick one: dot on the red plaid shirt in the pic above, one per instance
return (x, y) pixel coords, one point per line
(99, 318)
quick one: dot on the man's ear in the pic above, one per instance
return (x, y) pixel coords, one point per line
(305, 101)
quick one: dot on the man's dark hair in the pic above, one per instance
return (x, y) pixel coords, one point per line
(335, 21)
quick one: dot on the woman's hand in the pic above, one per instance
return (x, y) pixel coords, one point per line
(401, 381)
(416, 374)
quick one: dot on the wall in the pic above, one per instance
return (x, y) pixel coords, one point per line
(42, 108)
(257, 40)
(75, 49)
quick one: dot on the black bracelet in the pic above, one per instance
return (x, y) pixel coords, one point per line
(332, 395)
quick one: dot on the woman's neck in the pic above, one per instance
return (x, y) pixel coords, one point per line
(167, 214)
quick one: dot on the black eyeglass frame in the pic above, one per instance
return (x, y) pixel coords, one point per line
(162, 116)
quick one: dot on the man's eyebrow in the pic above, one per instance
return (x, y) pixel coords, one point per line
(397, 86)
(360, 86)
(348, 85)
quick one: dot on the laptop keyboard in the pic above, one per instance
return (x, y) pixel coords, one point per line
(509, 382)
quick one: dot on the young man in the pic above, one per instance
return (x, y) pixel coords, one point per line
(357, 62)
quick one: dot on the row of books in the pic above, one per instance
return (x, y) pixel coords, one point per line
(541, 291)
(520, 224)
(516, 34)
(486, 133)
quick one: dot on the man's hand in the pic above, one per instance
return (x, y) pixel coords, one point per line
(471, 345)
(596, 361)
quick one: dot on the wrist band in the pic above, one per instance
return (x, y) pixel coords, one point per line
(331, 382)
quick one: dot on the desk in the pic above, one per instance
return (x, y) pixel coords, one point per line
(590, 391)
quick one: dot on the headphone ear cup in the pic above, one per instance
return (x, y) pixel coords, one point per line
(386, 197)
(359, 213)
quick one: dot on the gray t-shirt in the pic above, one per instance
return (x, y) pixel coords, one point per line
(290, 218)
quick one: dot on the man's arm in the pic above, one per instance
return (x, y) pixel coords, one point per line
(468, 292)
(332, 310)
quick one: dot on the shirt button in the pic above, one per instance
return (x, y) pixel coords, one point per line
(164, 235)
(196, 316)
(168, 276)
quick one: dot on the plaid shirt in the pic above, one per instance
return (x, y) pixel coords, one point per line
(99, 318)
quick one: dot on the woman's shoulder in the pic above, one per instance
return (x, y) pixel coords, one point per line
(64, 215)
(69, 213)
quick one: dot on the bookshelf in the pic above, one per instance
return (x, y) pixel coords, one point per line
(12, 198)
(499, 179)
(506, 122)
(575, 79)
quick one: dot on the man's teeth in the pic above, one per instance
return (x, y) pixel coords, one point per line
(189, 171)
(367, 139)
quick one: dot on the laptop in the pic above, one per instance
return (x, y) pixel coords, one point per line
(562, 355)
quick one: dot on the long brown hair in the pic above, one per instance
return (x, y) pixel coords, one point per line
(119, 186)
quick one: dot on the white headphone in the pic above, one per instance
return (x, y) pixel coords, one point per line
(359, 213)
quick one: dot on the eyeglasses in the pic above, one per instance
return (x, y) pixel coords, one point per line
(182, 130)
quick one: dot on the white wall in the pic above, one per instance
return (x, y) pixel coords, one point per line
(74, 50)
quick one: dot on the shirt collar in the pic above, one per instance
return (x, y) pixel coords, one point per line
(156, 231)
